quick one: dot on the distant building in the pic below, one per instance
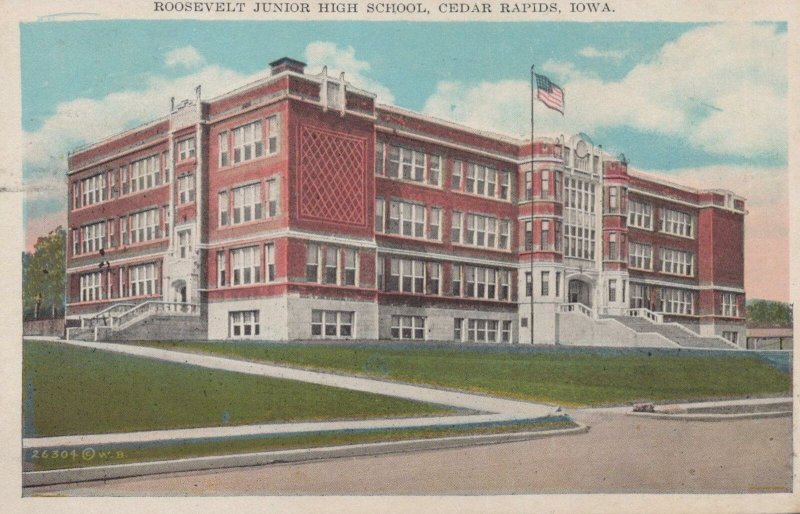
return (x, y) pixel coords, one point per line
(294, 207)
(770, 338)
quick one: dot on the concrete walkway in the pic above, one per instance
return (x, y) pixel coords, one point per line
(495, 409)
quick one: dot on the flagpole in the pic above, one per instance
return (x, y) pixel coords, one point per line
(533, 150)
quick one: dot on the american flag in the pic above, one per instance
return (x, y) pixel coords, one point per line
(550, 94)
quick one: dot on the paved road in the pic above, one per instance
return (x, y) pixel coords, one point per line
(619, 454)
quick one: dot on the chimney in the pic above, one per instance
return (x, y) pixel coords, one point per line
(287, 63)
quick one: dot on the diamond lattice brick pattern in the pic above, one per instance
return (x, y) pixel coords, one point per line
(331, 171)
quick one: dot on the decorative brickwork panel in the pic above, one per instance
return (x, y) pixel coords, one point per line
(331, 180)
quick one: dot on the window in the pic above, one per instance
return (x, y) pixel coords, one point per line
(76, 242)
(142, 279)
(394, 162)
(379, 158)
(406, 276)
(731, 336)
(528, 185)
(491, 182)
(406, 219)
(640, 255)
(505, 235)
(350, 259)
(331, 265)
(273, 134)
(244, 323)
(505, 185)
(76, 195)
(246, 265)
(528, 284)
(579, 218)
(220, 269)
(145, 173)
(90, 286)
(545, 193)
(455, 228)
(455, 178)
(408, 327)
(185, 243)
(312, 263)
(545, 236)
(455, 278)
(223, 208)
(93, 237)
(186, 149)
(505, 331)
(273, 195)
(677, 301)
(269, 262)
(677, 223)
(558, 284)
(545, 283)
(480, 282)
(94, 189)
(434, 223)
(144, 226)
(434, 170)
(640, 215)
(613, 254)
(612, 290)
(433, 278)
(246, 203)
(482, 231)
(332, 323)
(410, 165)
(186, 189)
(639, 296)
(380, 208)
(224, 158)
(504, 284)
(613, 199)
(247, 142)
(677, 262)
(458, 326)
(529, 235)
(729, 306)
(167, 215)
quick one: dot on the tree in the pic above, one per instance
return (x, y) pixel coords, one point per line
(44, 275)
(767, 313)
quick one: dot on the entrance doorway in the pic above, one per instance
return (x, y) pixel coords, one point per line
(179, 291)
(580, 292)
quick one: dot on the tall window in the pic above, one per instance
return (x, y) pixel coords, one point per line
(224, 158)
(223, 208)
(729, 306)
(406, 219)
(640, 215)
(145, 173)
(144, 225)
(379, 158)
(142, 279)
(380, 211)
(406, 276)
(186, 149)
(455, 280)
(220, 268)
(273, 134)
(331, 265)
(350, 259)
(545, 283)
(455, 229)
(528, 284)
(186, 188)
(455, 177)
(269, 261)
(613, 253)
(273, 196)
(640, 255)
(312, 262)
(246, 265)
(246, 203)
(434, 170)
(247, 142)
(677, 262)
(93, 237)
(677, 301)
(545, 240)
(90, 286)
(677, 223)
(94, 189)
(244, 323)
(185, 243)
(434, 223)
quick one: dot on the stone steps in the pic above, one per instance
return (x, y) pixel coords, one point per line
(672, 332)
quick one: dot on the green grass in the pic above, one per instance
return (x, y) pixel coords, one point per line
(63, 457)
(68, 390)
(563, 377)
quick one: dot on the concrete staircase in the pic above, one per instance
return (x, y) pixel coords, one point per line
(674, 332)
(151, 320)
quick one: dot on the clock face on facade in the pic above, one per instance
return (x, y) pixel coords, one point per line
(581, 150)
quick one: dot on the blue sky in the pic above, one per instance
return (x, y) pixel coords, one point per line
(677, 99)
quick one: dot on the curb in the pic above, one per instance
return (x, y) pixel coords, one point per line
(61, 476)
(710, 417)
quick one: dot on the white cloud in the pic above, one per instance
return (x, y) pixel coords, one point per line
(325, 53)
(722, 88)
(593, 53)
(185, 57)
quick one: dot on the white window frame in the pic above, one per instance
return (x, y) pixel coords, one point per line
(248, 142)
(408, 327)
(186, 149)
(246, 265)
(640, 255)
(245, 322)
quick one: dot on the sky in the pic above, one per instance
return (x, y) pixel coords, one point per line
(701, 104)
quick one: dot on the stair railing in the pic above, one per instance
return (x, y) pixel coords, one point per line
(641, 312)
(577, 307)
(156, 307)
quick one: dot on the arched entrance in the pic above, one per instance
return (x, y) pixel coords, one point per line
(579, 291)
(179, 291)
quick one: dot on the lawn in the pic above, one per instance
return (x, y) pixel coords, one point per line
(68, 390)
(70, 457)
(564, 376)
